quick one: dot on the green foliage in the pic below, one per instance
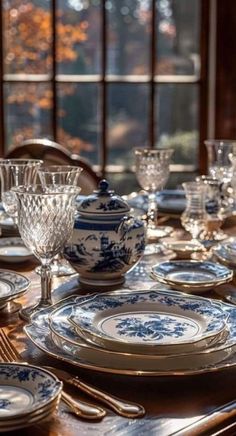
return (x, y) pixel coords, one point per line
(185, 145)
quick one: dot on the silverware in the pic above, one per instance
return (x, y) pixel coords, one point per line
(8, 353)
(121, 407)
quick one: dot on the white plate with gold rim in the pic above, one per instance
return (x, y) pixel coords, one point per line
(212, 360)
(13, 250)
(191, 275)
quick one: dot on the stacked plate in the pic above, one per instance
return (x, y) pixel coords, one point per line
(12, 286)
(191, 275)
(151, 333)
(28, 395)
(226, 253)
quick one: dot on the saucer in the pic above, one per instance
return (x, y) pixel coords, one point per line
(13, 250)
(184, 249)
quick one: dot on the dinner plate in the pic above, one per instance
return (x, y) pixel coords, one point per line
(39, 333)
(191, 274)
(13, 250)
(63, 331)
(146, 321)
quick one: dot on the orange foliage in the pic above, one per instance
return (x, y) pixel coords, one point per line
(28, 38)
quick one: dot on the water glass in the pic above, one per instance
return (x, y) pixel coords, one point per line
(152, 172)
(16, 172)
(45, 220)
(194, 217)
(59, 175)
(219, 164)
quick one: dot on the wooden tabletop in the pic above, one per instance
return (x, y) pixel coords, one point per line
(171, 403)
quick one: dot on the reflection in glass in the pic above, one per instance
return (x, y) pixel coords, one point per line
(178, 37)
(128, 37)
(27, 37)
(128, 121)
(78, 119)
(27, 111)
(177, 121)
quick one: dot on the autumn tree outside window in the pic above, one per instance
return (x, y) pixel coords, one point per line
(103, 77)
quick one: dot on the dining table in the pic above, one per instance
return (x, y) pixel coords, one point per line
(175, 404)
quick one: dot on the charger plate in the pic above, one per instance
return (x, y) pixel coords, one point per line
(147, 321)
(39, 332)
(63, 331)
(191, 274)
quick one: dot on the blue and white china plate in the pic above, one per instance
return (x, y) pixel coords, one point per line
(146, 321)
(168, 201)
(226, 252)
(213, 359)
(13, 250)
(25, 389)
(19, 285)
(63, 331)
(191, 275)
(6, 288)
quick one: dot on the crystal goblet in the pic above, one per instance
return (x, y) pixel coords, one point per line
(59, 175)
(152, 172)
(16, 172)
(45, 221)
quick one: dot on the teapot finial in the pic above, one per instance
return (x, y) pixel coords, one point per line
(103, 186)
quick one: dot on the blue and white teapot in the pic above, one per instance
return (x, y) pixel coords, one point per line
(106, 241)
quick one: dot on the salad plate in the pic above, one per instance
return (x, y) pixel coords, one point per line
(13, 250)
(146, 321)
(191, 275)
(214, 359)
(63, 331)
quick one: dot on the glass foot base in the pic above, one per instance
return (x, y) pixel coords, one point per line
(26, 312)
(159, 232)
(60, 270)
(10, 307)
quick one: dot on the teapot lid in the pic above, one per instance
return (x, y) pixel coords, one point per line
(103, 202)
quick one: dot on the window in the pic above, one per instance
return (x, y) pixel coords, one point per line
(103, 77)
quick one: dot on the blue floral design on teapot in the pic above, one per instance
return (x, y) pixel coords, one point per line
(107, 242)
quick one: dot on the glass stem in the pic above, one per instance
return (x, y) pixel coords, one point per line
(46, 282)
(152, 211)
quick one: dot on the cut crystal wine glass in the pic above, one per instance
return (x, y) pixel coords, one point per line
(15, 172)
(45, 221)
(152, 172)
(59, 175)
(219, 164)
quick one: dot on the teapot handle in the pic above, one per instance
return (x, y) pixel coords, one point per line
(125, 225)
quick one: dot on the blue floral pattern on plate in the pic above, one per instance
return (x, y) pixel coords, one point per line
(25, 389)
(192, 274)
(214, 359)
(139, 319)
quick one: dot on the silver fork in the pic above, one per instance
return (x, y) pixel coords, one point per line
(8, 353)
